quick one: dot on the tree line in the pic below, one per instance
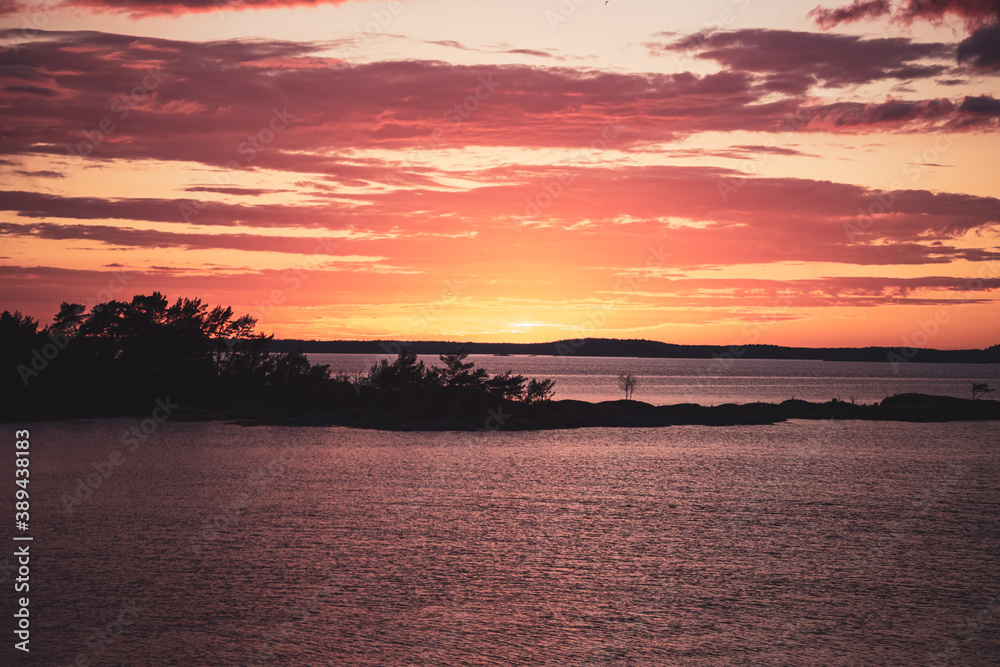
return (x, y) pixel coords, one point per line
(121, 355)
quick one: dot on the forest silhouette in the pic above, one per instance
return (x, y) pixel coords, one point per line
(121, 356)
(128, 358)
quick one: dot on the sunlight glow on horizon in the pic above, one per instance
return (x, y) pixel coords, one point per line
(459, 171)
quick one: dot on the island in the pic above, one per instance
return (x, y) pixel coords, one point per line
(199, 363)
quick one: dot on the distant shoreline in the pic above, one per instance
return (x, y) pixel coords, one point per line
(606, 347)
(130, 359)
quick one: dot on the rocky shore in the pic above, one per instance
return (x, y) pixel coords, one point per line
(563, 414)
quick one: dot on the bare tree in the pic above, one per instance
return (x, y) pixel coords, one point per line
(980, 388)
(627, 382)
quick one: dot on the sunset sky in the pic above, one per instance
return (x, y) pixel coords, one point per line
(729, 171)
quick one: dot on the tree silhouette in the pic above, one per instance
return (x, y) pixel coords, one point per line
(539, 391)
(122, 355)
(507, 386)
(980, 388)
(69, 319)
(627, 382)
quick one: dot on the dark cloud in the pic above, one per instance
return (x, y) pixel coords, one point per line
(858, 10)
(857, 291)
(531, 52)
(982, 48)
(760, 220)
(249, 192)
(451, 44)
(773, 150)
(206, 102)
(791, 61)
(43, 173)
(982, 105)
(974, 12)
(211, 97)
(42, 205)
(891, 113)
(34, 90)
(145, 238)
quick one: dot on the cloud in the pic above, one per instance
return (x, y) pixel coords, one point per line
(34, 90)
(793, 61)
(891, 112)
(41, 173)
(772, 150)
(249, 192)
(858, 10)
(983, 105)
(974, 12)
(822, 292)
(212, 102)
(531, 52)
(982, 48)
(148, 239)
(451, 44)
(763, 220)
(141, 8)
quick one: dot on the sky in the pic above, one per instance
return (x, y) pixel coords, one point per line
(723, 172)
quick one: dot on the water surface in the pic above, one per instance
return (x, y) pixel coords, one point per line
(803, 543)
(717, 381)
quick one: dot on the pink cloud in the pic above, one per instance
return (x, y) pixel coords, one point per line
(123, 97)
(141, 8)
(974, 12)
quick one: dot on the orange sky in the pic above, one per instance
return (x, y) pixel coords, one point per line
(731, 172)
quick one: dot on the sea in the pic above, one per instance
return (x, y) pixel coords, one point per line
(715, 381)
(800, 543)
